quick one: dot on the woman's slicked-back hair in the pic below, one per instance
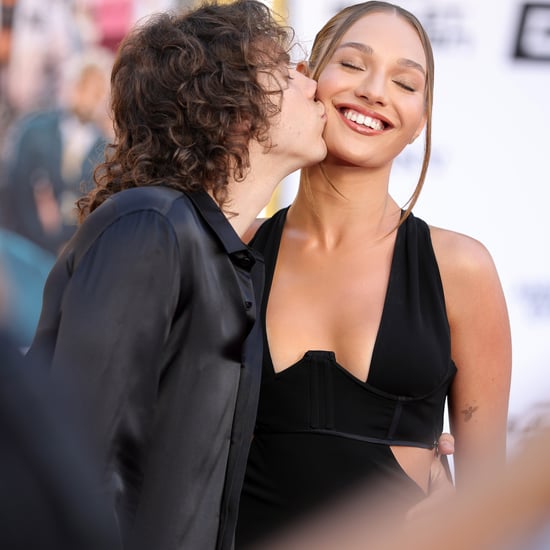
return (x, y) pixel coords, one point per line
(187, 97)
(330, 36)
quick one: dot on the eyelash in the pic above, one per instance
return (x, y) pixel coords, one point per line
(351, 66)
(405, 86)
(357, 68)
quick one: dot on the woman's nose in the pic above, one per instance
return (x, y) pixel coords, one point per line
(372, 88)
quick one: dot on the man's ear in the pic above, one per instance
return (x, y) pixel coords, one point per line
(303, 67)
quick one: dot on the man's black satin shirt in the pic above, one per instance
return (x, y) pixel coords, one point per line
(150, 311)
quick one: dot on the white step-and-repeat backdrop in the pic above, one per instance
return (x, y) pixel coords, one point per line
(490, 169)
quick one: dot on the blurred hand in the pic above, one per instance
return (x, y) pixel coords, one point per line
(441, 481)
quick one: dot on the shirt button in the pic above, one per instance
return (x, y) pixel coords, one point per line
(243, 259)
(246, 261)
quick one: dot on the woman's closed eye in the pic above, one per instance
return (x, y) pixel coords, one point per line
(350, 65)
(405, 86)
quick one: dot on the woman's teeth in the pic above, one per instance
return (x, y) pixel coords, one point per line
(365, 120)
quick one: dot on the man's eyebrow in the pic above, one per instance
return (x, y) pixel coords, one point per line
(366, 49)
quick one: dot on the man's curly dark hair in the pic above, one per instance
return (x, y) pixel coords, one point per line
(187, 97)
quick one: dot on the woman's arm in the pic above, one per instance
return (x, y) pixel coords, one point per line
(481, 350)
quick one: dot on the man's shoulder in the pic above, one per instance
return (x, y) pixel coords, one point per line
(152, 197)
(133, 217)
(126, 208)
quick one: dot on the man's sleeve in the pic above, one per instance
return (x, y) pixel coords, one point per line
(116, 317)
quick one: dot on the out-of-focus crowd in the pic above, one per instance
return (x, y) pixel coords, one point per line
(55, 63)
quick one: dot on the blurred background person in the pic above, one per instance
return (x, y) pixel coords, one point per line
(50, 155)
(39, 38)
(25, 267)
(55, 61)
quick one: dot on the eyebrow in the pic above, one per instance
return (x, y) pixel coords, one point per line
(366, 49)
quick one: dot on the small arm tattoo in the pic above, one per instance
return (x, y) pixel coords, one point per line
(469, 412)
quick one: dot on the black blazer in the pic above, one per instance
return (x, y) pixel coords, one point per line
(150, 314)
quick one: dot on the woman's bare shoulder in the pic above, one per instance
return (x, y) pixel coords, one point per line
(468, 274)
(460, 254)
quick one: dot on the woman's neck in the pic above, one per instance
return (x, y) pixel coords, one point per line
(354, 205)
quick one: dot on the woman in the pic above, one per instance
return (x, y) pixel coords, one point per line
(373, 317)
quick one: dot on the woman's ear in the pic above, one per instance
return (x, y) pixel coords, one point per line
(420, 128)
(303, 67)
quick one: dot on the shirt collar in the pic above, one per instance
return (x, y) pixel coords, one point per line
(239, 252)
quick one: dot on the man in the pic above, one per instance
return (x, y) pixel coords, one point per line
(150, 310)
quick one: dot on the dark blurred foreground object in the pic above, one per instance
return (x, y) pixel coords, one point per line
(49, 498)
